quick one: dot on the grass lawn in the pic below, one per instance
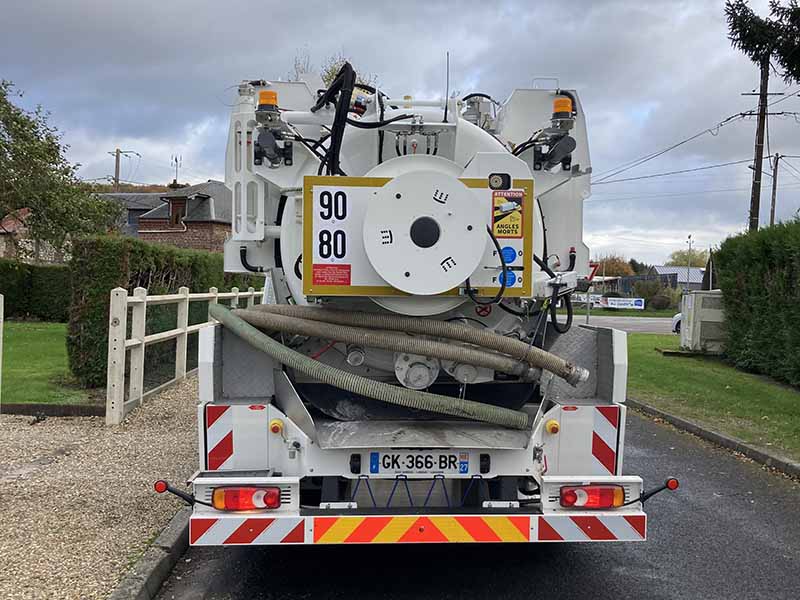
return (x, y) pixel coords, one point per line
(709, 391)
(35, 365)
(624, 312)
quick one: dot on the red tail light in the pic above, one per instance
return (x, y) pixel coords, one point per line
(246, 498)
(592, 496)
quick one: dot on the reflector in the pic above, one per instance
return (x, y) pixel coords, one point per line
(160, 486)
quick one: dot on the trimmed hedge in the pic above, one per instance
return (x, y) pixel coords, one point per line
(102, 263)
(759, 275)
(35, 291)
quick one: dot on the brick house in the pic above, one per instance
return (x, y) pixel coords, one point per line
(197, 217)
(135, 204)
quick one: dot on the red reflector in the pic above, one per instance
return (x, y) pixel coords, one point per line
(672, 484)
(246, 498)
(592, 496)
(160, 486)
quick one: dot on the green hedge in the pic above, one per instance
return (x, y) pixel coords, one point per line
(100, 264)
(35, 291)
(759, 274)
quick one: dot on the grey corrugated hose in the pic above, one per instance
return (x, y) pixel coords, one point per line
(390, 340)
(536, 357)
(356, 384)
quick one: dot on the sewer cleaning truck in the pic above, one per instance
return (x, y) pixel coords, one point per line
(413, 373)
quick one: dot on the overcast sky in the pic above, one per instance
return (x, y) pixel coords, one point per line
(155, 77)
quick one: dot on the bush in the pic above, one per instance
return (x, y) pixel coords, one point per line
(646, 288)
(102, 263)
(612, 295)
(35, 291)
(659, 302)
(759, 275)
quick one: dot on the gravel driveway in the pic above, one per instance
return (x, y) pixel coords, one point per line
(76, 497)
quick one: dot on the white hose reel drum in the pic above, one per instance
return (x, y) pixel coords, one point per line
(425, 232)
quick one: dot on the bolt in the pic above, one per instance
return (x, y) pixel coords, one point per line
(397, 196)
(408, 274)
(469, 227)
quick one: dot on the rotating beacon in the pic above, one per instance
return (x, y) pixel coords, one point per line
(407, 377)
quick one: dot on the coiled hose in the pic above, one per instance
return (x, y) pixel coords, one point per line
(388, 340)
(536, 357)
(356, 384)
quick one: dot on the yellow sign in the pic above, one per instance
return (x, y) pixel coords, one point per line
(507, 213)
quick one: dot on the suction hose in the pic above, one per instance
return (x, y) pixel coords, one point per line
(356, 384)
(389, 340)
(536, 357)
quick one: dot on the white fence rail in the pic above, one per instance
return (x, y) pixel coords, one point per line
(119, 344)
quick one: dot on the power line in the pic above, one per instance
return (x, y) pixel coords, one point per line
(652, 175)
(649, 157)
(634, 197)
(793, 170)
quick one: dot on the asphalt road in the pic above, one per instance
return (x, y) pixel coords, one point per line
(732, 531)
(629, 324)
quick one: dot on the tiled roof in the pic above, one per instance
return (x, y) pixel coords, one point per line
(209, 201)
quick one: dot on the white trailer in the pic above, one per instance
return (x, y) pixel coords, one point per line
(407, 378)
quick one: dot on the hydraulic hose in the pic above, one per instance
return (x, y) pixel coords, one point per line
(536, 357)
(388, 340)
(356, 384)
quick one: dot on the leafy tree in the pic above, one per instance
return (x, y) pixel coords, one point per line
(331, 66)
(694, 258)
(639, 268)
(614, 266)
(762, 40)
(35, 174)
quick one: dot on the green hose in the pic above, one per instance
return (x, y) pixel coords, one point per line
(356, 384)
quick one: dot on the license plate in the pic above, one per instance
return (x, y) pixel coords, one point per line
(453, 463)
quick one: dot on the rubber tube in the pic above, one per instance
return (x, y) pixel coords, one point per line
(536, 357)
(356, 384)
(389, 340)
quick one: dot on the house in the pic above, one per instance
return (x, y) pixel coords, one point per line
(136, 204)
(687, 278)
(15, 243)
(197, 217)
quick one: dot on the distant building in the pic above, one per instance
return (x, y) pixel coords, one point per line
(687, 278)
(197, 217)
(136, 204)
(15, 243)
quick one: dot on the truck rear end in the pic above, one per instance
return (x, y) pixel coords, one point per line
(408, 377)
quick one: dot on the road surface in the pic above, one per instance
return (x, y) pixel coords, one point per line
(732, 531)
(629, 324)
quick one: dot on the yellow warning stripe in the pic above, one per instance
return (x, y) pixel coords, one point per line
(505, 529)
(340, 530)
(397, 527)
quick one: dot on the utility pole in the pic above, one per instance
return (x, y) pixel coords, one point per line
(117, 153)
(758, 155)
(774, 189)
(688, 261)
(177, 162)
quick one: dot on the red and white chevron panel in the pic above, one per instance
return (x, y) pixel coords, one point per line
(231, 530)
(605, 436)
(591, 528)
(219, 436)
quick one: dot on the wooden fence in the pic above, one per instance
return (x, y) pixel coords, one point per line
(117, 406)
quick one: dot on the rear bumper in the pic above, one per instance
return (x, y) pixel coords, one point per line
(221, 529)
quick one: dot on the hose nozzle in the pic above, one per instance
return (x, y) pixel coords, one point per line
(577, 375)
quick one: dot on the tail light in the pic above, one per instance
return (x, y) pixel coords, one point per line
(246, 498)
(592, 496)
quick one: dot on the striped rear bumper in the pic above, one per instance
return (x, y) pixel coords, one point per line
(231, 530)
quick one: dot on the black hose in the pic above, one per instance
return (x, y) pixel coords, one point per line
(479, 95)
(297, 271)
(553, 318)
(247, 265)
(342, 85)
(502, 278)
(543, 266)
(377, 124)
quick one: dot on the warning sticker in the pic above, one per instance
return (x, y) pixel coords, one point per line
(331, 275)
(507, 213)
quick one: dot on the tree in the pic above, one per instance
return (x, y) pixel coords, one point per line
(35, 174)
(614, 266)
(331, 66)
(692, 258)
(764, 40)
(639, 268)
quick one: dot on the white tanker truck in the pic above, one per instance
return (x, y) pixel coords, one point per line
(407, 377)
